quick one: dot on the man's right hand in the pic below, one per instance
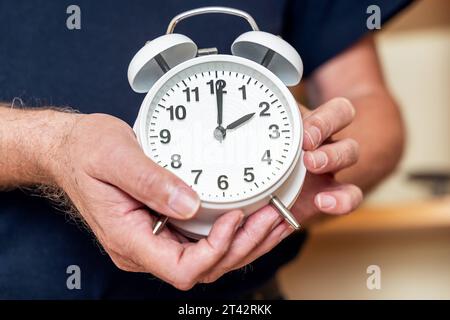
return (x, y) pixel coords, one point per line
(100, 165)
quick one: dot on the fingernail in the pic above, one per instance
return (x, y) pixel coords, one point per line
(326, 202)
(286, 233)
(184, 201)
(319, 159)
(314, 135)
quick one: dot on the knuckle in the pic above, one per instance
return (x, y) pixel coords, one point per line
(211, 278)
(344, 105)
(336, 157)
(353, 144)
(324, 126)
(347, 154)
(353, 150)
(183, 285)
(214, 250)
(183, 278)
(344, 154)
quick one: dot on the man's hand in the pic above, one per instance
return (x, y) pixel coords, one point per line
(321, 192)
(98, 162)
(102, 168)
(323, 158)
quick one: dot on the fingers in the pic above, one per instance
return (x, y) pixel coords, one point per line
(202, 256)
(181, 265)
(262, 231)
(339, 200)
(247, 239)
(132, 171)
(278, 234)
(332, 157)
(326, 120)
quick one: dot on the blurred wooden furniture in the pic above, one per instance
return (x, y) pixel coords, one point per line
(421, 215)
(410, 243)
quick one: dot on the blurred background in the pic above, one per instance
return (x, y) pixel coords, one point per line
(404, 225)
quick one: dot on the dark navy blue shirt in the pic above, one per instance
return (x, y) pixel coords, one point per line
(44, 63)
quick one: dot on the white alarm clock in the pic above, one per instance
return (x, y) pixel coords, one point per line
(227, 125)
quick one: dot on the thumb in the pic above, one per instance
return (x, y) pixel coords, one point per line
(132, 171)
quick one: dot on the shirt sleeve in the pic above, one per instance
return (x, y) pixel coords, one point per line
(321, 29)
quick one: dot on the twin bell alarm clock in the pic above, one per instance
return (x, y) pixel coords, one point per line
(227, 125)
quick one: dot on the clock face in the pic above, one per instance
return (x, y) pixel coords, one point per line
(223, 127)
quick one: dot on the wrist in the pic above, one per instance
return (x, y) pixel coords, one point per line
(32, 140)
(51, 155)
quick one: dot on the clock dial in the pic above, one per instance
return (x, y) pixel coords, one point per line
(224, 128)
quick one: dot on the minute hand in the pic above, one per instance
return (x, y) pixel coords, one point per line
(220, 85)
(240, 121)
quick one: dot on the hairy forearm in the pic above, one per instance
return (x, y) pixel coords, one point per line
(379, 130)
(29, 143)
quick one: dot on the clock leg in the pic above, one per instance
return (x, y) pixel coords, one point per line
(159, 224)
(279, 206)
(287, 215)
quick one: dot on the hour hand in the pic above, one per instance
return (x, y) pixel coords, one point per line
(240, 121)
